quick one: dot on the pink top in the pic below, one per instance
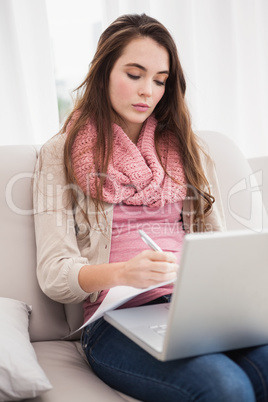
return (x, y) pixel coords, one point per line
(160, 223)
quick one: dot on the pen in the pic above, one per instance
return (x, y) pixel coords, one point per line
(149, 241)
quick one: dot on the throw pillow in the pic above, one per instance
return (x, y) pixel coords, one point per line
(21, 376)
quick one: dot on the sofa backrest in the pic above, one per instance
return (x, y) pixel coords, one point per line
(241, 196)
(259, 166)
(17, 244)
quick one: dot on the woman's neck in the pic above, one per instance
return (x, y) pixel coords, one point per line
(132, 130)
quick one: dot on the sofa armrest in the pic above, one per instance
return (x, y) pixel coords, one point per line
(259, 166)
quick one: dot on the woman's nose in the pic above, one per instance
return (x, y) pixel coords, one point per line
(145, 88)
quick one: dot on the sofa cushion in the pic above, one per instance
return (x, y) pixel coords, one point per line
(20, 373)
(70, 375)
(17, 244)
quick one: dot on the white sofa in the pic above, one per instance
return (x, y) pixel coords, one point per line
(61, 360)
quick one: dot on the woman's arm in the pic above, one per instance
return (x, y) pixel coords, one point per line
(58, 257)
(146, 269)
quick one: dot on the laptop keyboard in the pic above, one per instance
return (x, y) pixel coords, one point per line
(159, 329)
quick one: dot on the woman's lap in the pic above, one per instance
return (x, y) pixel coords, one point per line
(216, 377)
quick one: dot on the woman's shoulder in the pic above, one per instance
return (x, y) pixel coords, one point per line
(53, 149)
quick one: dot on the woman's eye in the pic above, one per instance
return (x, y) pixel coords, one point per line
(159, 83)
(133, 77)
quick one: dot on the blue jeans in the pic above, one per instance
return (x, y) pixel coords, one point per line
(237, 376)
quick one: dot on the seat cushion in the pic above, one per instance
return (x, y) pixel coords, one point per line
(70, 375)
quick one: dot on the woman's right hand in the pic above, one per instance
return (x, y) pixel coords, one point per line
(148, 268)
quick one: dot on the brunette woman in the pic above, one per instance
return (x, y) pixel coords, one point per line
(127, 159)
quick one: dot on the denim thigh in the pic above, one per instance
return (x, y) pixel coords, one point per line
(126, 367)
(254, 361)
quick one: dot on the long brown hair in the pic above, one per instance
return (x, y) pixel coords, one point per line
(93, 102)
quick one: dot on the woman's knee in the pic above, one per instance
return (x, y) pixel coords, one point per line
(230, 386)
(238, 389)
(217, 378)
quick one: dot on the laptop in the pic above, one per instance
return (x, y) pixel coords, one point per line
(219, 303)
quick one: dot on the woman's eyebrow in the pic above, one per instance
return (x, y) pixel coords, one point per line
(145, 69)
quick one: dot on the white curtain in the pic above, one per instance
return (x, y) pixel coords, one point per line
(223, 47)
(28, 102)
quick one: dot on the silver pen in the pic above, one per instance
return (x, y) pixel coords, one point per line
(149, 241)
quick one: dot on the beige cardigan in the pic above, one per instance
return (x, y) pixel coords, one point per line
(62, 247)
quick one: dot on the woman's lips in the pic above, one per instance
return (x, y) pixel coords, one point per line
(141, 107)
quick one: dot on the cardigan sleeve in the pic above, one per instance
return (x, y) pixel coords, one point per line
(59, 259)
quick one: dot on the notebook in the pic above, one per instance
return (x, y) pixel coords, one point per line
(219, 303)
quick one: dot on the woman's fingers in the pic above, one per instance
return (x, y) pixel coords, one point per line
(161, 261)
(160, 266)
(156, 278)
(159, 255)
(149, 268)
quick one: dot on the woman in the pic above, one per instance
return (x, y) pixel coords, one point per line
(127, 159)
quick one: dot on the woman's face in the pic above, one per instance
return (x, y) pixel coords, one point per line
(137, 83)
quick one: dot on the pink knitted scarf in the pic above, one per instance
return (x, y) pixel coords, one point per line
(135, 175)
